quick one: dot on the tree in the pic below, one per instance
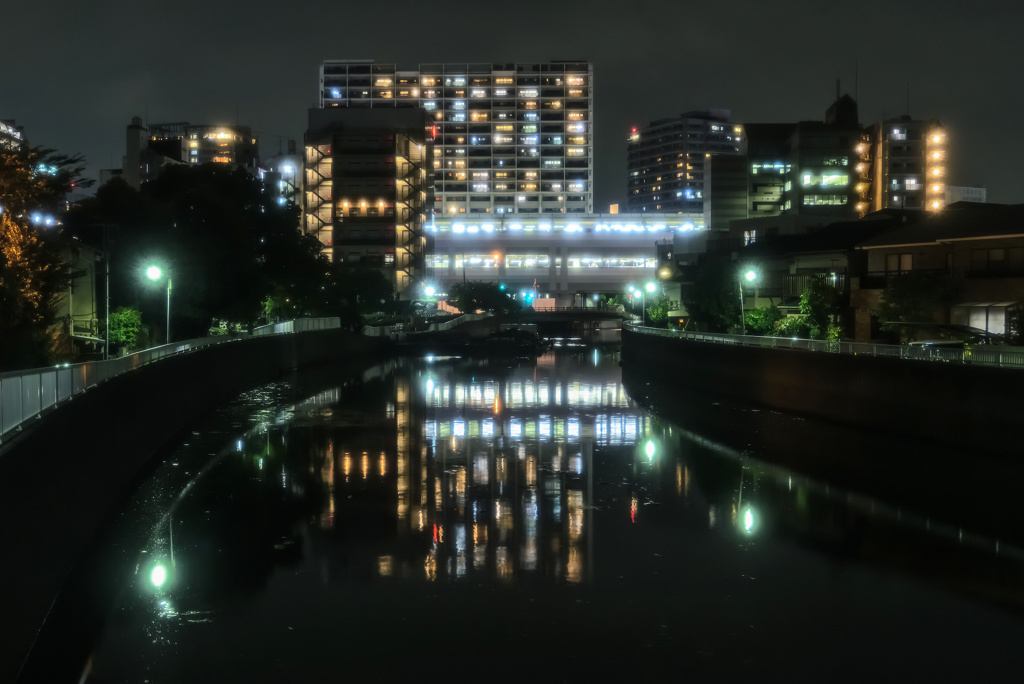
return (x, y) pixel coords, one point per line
(713, 301)
(820, 303)
(38, 180)
(913, 297)
(226, 243)
(476, 295)
(125, 326)
(32, 273)
(657, 311)
(792, 326)
(762, 320)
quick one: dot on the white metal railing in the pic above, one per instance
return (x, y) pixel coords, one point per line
(985, 355)
(26, 394)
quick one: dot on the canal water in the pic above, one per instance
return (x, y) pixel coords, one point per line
(452, 519)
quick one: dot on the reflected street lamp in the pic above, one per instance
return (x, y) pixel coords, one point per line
(155, 273)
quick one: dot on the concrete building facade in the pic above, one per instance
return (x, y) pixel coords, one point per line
(568, 258)
(508, 138)
(908, 164)
(367, 190)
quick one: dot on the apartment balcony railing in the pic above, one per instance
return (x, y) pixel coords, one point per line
(879, 280)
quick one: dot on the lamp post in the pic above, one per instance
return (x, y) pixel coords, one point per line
(750, 275)
(154, 273)
(650, 287)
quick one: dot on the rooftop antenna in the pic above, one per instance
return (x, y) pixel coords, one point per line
(908, 98)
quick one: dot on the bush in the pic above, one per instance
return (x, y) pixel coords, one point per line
(125, 326)
(762, 320)
(793, 326)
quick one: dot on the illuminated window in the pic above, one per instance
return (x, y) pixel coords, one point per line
(840, 179)
(824, 200)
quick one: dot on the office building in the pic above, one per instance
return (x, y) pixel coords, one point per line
(666, 160)
(367, 190)
(508, 138)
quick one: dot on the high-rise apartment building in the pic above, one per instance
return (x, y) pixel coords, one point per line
(508, 138)
(666, 160)
(12, 137)
(908, 164)
(367, 189)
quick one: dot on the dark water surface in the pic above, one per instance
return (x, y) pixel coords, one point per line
(445, 519)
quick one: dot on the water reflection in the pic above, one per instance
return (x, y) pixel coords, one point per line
(540, 480)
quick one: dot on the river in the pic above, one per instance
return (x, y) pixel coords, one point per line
(445, 519)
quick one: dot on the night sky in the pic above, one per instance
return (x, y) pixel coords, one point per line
(75, 73)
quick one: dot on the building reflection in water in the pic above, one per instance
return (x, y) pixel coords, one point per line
(491, 468)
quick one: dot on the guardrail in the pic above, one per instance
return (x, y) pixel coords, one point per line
(25, 395)
(980, 355)
(398, 330)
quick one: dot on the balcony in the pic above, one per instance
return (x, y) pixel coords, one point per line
(879, 280)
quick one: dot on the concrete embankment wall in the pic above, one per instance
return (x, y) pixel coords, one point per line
(978, 408)
(61, 478)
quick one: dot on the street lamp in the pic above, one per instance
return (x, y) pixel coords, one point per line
(154, 273)
(650, 288)
(750, 275)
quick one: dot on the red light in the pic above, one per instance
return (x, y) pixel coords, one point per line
(435, 533)
(634, 129)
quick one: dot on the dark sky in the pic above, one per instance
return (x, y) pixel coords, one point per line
(74, 73)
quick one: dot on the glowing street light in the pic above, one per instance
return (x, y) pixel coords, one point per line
(751, 276)
(158, 576)
(154, 273)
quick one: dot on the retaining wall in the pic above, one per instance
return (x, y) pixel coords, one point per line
(978, 408)
(61, 478)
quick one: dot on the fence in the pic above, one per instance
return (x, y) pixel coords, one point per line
(984, 355)
(398, 330)
(27, 394)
